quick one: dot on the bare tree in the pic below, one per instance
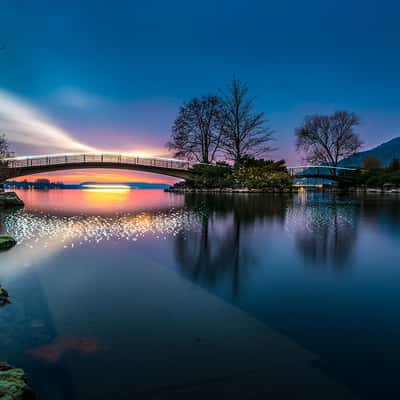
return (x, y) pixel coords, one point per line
(4, 147)
(244, 130)
(196, 133)
(327, 139)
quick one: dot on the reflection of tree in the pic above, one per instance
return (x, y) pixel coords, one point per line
(325, 230)
(217, 251)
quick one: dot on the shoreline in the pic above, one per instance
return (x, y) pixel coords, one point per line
(285, 190)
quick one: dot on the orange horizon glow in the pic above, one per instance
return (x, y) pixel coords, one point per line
(99, 176)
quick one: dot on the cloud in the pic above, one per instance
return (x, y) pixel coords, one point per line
(76, 98)
(24, 124)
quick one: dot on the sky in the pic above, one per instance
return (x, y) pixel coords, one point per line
(111, 75)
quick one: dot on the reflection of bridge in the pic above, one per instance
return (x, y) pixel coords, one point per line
(340, 174)
(21, 166)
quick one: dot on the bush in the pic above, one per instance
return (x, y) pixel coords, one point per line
(261, 174)
(210, 176)
(248, 173)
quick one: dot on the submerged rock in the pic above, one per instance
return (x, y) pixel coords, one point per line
(4, 298)
(10, 199)
(7, 242)
(14, 384)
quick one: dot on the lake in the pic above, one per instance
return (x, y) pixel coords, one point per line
(146, 294)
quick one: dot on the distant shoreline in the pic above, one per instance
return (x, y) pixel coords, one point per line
(294, 189)
(78, 186)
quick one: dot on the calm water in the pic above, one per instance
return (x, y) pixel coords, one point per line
(144, 294)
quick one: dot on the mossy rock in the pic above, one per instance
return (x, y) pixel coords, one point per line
(6, 242)
(13, 384)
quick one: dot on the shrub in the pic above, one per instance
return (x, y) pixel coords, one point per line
(260, 174)
(210, 176)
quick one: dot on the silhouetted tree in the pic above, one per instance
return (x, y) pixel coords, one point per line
(195, 133)
(244, 130)
(4, 147)
(327, 139)
(394, 165)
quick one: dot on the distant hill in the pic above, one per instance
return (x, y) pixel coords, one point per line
(385, 152)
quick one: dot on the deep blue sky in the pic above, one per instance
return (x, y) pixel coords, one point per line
(114, 72)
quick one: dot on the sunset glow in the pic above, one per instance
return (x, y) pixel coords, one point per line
(100, 176)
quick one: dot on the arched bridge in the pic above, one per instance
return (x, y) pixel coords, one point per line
(21, 166)
(339, 174)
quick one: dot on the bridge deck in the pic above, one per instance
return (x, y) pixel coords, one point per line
(34, 161)
(20, 166)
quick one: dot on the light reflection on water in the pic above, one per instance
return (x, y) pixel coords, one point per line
(41, 228)
(305, 265)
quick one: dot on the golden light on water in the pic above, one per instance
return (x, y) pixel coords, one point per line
(106, 188)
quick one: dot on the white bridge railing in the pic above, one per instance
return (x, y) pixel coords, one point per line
(90, 158)
(157, 162)
(325, 170)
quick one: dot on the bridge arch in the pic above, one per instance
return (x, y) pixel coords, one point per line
(22, 166)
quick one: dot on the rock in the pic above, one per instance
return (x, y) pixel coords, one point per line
(4, 299)
(14, 384)
(7, 242)
(10, 199)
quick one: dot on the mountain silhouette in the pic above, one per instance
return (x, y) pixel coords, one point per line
(385, 152)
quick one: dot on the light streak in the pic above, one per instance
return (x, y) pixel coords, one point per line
(24, 124)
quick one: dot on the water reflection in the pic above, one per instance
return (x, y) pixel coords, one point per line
(211, 231)
(381, 211)
(325, 229)
(97, 287)
(98, 202)
(220, 248)
(50, 222)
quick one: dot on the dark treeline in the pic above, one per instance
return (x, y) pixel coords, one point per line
(374, 174)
